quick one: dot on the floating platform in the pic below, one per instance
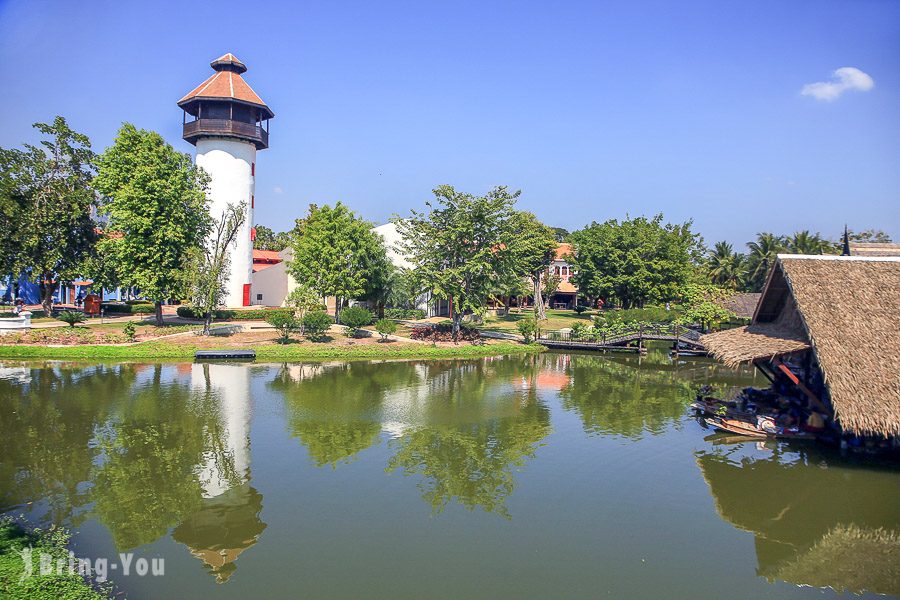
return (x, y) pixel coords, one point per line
(225, 354)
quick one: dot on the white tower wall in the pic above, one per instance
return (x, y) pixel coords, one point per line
(230, 165)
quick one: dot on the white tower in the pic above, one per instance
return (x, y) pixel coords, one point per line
(227, 129)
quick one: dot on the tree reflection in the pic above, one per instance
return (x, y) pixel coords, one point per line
(333, 408)
(48, 418)
(818, 519)
(630, 396)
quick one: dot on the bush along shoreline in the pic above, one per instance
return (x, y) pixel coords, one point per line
(20, 543)
(274, 352)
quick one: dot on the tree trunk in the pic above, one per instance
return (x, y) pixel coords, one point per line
(158, 306)
(207, 322)
(457, 320)
(46, 294)
(539, 310)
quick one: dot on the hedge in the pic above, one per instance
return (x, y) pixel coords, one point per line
(404, 313)
(128, 309)
(253, 314)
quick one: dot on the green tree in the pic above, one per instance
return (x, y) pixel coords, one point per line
(158, 207)
(636, 261)
(46, 200)
(560, 234)
(726, 267)
(804, 242)
(531, 251)
(335, 253)
(210, 272)
(267, 239)
(763, 253)
(460, 246)
(871, 236)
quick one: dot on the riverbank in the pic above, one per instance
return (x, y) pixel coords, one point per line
(16, 582)
(272, 351)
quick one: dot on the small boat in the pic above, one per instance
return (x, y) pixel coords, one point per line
(749, 429)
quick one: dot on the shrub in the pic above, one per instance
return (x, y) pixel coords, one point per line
(284, 323)
(315, 324)
(385, 327)
(253, 314)
(8, 315)
(528, 328)
(72, 317)
(129, 330)
(355, 317)
(142, 308)
(580, 308)
(412, 314)
(579, 330)
(443, 332)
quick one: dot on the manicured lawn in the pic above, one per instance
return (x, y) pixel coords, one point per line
(556, 319)
(263, 344)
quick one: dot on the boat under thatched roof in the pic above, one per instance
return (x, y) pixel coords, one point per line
(847, 310)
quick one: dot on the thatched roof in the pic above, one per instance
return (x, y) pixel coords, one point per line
(848, 310)
(753, 342)
(874, 249)
(742, 304)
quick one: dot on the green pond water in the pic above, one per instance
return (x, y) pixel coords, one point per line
(551, 476)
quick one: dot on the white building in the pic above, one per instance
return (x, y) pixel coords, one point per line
(227, 129)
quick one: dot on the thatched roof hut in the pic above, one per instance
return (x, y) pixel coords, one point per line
(742, 304)
(846, 310)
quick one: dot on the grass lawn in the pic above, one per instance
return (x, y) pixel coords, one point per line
(556, 319)
(265, 344)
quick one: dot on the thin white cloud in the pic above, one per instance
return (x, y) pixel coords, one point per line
(842, 80)
(278, 190)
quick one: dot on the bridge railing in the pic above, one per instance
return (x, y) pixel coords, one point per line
(638, 332)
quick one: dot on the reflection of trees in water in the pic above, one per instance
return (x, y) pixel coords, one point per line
(148, 479)
(47, 423)
(333, 408)
(472, 462)
(459, 424)
(818, 519)
(628, 396)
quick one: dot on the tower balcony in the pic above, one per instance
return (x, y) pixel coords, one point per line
(250, 132)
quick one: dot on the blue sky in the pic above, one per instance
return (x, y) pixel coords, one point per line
(594, 110)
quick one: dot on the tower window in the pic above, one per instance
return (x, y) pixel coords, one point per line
(253, 169)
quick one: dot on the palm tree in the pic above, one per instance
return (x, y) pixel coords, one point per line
(726, 267)
(763, 253)
(804, 242)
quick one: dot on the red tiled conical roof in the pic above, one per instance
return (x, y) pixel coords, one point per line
(226, 83)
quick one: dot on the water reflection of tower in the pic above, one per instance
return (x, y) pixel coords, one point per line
(228, 521)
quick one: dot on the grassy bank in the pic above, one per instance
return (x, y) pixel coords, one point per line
(14, 538)
(273, 352)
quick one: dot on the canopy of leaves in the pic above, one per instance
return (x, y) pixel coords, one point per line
(635, 261)
(46, 200)
(157, 207)
(460, 246)
(336, 253)
(267, 239)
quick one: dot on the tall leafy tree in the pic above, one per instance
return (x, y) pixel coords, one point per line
(726, 267)
(531, 251)
(267, 239)
(158, 209)
(210, 272)
(804, 242)
(460, 245)
(46, 201)
(336, 253)
(763, 252)
(876, 236)
(636, 261)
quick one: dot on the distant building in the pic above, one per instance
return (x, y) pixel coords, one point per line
(566, 295)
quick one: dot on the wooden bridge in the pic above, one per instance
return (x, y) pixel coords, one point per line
(683, 339)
